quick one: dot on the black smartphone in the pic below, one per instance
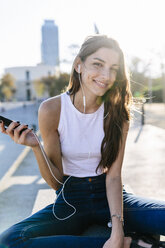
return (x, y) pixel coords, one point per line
(7, 122)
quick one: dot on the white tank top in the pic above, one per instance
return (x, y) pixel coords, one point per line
(81, 136)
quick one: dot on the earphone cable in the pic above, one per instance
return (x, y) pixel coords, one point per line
(63, 184)
(84, 99)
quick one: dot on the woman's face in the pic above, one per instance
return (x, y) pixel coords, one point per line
(99, 70)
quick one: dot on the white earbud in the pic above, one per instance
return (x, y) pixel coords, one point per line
(79, 70)
(79, 67)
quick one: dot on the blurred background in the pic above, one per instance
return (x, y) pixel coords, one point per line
(38, 42)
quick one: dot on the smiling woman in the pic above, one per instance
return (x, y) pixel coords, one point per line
(102, 76)
(84, 131)
(101, 71)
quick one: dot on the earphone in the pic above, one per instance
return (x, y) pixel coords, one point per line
(79, 67)
(84, 100)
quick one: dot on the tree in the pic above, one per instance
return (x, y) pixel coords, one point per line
(142, 85)
(61, 83)
(7, 87)
(45, 84)
(157, 89)
(39, 87)
(139, 80)
(52, 84)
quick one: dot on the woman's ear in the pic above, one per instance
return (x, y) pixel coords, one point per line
(78, 66)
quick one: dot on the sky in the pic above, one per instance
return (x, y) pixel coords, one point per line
(138, 26)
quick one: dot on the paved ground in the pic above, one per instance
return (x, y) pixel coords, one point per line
(9, 151)
(155, 114)
(22, 191)
(4, 106)
(144, 162)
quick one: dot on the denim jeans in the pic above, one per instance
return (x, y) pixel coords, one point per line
(88, 196)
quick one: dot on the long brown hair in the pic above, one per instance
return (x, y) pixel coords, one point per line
(117, 99)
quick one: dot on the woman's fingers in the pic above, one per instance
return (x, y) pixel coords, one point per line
(2, 127)
(22, 138)
(20, 133)
(15, 131)
(11, 128)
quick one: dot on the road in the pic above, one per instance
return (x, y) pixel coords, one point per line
(9, 151)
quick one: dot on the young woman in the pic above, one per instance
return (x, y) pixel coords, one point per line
(84, 131)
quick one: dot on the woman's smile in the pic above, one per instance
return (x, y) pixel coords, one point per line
(100, 84)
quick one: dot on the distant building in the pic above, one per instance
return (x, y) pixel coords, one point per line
(50, 44)
(25, 75)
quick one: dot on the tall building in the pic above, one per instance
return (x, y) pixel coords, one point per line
(50, 45)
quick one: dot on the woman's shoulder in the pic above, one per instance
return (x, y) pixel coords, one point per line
(50, 104)
(49, 111)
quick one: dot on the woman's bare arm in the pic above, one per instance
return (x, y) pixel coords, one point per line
(49, 114)
(114, 191)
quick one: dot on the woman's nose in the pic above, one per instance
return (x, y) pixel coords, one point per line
(109, 75)
(106, 74)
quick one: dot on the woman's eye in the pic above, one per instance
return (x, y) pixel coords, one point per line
(114, 70)
(98, 64)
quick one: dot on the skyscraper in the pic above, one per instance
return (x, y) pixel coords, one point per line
(49, 46)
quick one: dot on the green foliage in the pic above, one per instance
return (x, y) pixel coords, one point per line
(7, 87)
(140, 82)
(157, 95)
(157, 90)
(52, 84)
(61, 83)
(39, 87)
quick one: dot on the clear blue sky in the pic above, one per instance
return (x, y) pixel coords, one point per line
(138, 25)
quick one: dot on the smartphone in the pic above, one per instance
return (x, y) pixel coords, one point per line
(8, 121)
(5, 121)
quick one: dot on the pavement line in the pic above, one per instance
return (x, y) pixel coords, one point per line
(2, 148)
(15, 165)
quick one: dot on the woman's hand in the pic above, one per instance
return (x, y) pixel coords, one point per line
(27, 137)
(114, 242)
(110, 243)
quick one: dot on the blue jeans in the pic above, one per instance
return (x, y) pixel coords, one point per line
(88, 195)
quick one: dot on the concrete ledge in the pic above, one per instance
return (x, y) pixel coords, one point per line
(44, 198)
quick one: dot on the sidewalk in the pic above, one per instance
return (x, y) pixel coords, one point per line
(144, 162)
(4, 106)
(22, 191)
